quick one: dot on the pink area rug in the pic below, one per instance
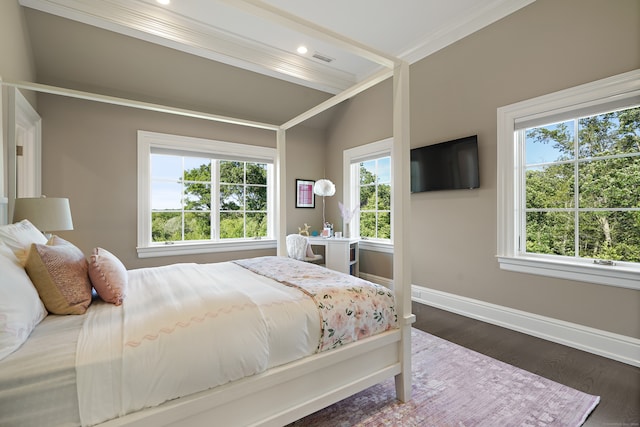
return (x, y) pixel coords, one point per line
(455, 386)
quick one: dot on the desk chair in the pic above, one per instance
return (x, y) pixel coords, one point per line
(298, 247)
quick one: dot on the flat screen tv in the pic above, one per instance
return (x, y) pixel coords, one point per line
(451, 165)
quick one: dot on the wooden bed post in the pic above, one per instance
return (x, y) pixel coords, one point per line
(401, 220)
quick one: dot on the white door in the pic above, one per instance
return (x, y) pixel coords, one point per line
(24, 149)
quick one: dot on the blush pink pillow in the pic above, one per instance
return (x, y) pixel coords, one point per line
(108, 276)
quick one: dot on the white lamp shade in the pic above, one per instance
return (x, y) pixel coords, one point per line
(46, 213)
(324, 187)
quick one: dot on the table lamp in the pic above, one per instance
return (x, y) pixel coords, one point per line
(324, 187)
(45, 213)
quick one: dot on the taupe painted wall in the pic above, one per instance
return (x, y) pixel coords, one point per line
(547, 46)
(358, 121)
(89, 155)
(305, 160)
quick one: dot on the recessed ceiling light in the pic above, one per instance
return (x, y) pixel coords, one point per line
(302, 50)
(165, 2)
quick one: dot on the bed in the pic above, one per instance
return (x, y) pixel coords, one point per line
(287, 389)
(172, 351)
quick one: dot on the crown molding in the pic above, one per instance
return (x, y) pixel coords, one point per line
(450, 32)
(159, 26)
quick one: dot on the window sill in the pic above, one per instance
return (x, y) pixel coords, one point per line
(618, 275)
(376, 246)
(204, 248)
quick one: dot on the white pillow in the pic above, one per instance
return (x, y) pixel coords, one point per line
(19, 237)
(20, 306)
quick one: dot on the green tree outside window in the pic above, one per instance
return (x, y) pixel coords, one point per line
(241, 206)
(375, 198)
(584, 200)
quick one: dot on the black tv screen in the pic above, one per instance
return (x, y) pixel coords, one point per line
(450, 165)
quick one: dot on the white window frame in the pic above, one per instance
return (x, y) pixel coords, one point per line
(351, 181)
(617, 90)
(198, 146)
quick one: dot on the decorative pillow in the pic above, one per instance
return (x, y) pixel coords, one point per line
(59, 272)
(108, 275)
(20, 307)
(19, 237)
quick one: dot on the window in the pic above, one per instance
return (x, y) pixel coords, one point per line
(375, 197)
(201, 196)
(569, 170)
(368, 186)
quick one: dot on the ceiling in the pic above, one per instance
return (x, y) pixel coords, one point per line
(359, 37)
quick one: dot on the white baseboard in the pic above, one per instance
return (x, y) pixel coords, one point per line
(377, 279)
(607, 344)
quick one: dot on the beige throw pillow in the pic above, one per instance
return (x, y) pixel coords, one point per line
(59, 272)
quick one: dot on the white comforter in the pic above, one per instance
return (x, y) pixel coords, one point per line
(178, 326)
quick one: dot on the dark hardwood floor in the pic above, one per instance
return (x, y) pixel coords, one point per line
(617, 384)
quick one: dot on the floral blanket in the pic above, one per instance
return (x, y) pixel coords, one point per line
(350, 308)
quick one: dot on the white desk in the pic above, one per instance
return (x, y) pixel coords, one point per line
(339, 254)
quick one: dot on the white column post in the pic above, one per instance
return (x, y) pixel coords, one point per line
(281, 187)
(401, 220)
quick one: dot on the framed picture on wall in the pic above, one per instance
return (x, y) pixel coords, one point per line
(304, 194)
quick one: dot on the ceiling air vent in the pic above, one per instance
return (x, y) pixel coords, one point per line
(322, 57)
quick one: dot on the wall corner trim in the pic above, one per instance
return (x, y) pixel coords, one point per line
(603, 343)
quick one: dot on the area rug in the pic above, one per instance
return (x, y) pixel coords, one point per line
(455, 386)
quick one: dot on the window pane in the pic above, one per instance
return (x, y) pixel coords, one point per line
(231, 225)
(384, 170)
(367, 224)
(166, 167)
(197, 226)
(256, 224)
(257, 173)
(166, 195)
(550, 143)
(628, 131)
(609, 134)
(550, 186)
(368, 197)
(610, 183)
(550, 233)
(384, 197)
(256, 198)
(231, 197)
(375, 198)
(197, 169)
(384, 225)
(197, 197)
(166, 226)
(367, 172)
(231, 172)
(610, 235)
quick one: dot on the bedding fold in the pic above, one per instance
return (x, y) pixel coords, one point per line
(350, 308)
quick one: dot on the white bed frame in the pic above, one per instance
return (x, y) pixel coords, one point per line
(287, 393)
(284, 394)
